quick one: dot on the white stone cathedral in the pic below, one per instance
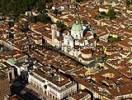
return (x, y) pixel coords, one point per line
(73, 41)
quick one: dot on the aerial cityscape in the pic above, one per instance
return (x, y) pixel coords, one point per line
(65, 49)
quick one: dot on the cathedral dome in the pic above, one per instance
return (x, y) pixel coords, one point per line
(77, 30)
(77, 27)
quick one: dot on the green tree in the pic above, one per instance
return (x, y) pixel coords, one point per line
(44, 18)
(128, 3)
(111, 13)
(61, 26)
(17, 7)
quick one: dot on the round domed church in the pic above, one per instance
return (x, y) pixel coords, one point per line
(68, 41)
(74, 41)
(77, 30)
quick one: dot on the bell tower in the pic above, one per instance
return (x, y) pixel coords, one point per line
(53, 32)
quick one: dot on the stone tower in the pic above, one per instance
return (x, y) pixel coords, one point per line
(53, 32)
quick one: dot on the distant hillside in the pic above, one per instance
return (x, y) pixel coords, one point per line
(17, 7)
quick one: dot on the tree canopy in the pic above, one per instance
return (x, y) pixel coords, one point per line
(111, 14)
(128, 2)
(17, 7)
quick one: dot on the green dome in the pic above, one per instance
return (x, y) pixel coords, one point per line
(11, 61)
(76, 27)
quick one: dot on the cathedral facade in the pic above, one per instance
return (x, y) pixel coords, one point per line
(74, 41)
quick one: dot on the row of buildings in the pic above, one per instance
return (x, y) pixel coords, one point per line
(77, 65)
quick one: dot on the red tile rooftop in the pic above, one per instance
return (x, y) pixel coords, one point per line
(42, 29)
(88, 12)
(81, 72)
(9, 54)
(15, 98)
(124, 82)
(80, 95)
(59, 80)
(56, 60)
(126, 44)
(86, 51)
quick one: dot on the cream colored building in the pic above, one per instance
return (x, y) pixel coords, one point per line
(56, 87)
